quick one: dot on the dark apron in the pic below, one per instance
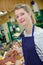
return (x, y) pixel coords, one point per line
(29, 52)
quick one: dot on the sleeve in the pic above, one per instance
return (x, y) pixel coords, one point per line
(39, 40)
(39, 44)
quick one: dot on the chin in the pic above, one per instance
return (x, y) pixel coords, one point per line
(24, 24)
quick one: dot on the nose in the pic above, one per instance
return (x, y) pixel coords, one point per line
(20, 18)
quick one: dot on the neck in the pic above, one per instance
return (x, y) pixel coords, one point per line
(28, 29)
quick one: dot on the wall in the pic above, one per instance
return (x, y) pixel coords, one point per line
(10, 6)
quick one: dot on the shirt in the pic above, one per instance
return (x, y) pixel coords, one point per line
(38, 39)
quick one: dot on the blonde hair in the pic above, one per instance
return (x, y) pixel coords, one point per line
(27, 9)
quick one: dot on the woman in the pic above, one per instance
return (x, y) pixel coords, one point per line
(32, 37)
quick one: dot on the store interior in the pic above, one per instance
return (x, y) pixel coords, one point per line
(10, 30)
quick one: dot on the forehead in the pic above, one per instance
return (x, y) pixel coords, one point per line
(19, 11)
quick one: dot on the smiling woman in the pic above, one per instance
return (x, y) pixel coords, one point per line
(30, 36)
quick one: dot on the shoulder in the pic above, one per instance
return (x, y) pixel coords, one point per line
(38, 35)
(38, 31)
(38, 38)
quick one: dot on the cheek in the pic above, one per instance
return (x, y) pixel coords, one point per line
(28, 17)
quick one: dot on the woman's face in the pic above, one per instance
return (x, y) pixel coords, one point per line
(22, 17)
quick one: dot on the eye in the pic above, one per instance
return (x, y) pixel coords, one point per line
(17, 16)
(22, 13)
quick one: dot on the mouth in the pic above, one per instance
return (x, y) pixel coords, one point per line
(22, 21)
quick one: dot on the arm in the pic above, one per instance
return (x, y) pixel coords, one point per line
(38, 37)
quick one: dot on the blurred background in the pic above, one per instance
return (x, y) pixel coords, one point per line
(9, 28)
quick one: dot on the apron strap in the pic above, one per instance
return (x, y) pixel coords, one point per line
(33, 30)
